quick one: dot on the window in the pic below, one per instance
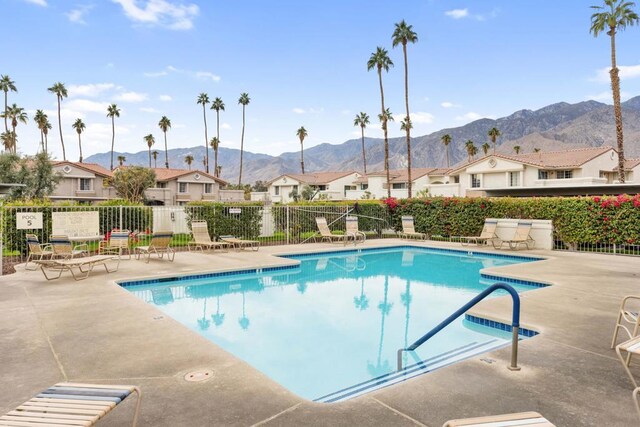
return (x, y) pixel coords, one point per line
(399, 185)
(475, 180)
(208, 188)
(564, 174)
(322, 187)
(276, 189)
(84, 184)
(364, 186)
(161, 185)
(295, 189)
(182, 187)
(456, 179)
(543, 174)
(514, 179)
(349, 188)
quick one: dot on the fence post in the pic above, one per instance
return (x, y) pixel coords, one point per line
(121, 227)
(287, 210)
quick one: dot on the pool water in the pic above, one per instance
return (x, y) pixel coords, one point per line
(330, 328)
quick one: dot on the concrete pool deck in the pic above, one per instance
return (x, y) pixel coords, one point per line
(95, 331)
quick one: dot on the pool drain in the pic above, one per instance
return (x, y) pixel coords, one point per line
(197, 376)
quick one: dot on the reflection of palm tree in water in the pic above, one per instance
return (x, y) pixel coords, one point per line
(204, 323)
(302, 287)
(244, 320)
(362, 301)
(218, 318)
(382, 367)
(406, 301)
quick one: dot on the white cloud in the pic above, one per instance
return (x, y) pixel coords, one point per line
(201, 75)
(472, 116)
(457, 13)
(87, 106)
(298, 110)
(421, 118)
(78, 14)
(149, 110)
(90, 90)
(226, 126)
(626, 72)
(131, 97)
(156, 74)
(42, 3)
(607, 96)
(448, 104)
(205, 75)
(165, 98)
(163, 13)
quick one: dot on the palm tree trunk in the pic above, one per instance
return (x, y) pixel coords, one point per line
(408, 119)
(386, 139)
(6, 126)
(446, 151)
(80, 147)
(15, 139)
(241, 148)
(206, 139)
(113, 137)
(149, 157)
(364, 156)
(46, 143)
(302, 157)
(215, 150)
(64, 154)
(617, 108)
(166, 153)
(42, 140)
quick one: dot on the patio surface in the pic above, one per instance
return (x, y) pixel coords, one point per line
(95, 331)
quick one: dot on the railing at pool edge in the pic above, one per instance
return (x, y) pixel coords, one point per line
(515, 323)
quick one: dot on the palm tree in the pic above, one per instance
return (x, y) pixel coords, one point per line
(113, 111)
(154, 154)
(494, 133)
(485, 148)
(403, 125)
(362, 120)
(474, 151)
(41, 119)
(536, 150)
(165, 125)
(6, 84)
(188, 159)
(219, 171)
(61, 92)
(203, 99)
(16, 114)
(121, 159)
(615, 15)
(470, 149)
(517, 148)
(404, 34)
(150, 140)
(217, 105)
(244, 101)
(45, 130)
(244, 320)
(218, 318)
(361, 302)
(380, 60)
(302, 134)
(215, 143)
(79, 126)
(446, 140)
(8, 140)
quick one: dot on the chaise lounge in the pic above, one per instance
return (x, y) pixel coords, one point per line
(522, 236)
(522, 419)
(487, 234)
(201, 239)
(160, 244)
(353, 232)
(325, 231)
(239, 244)
(409, 231)
(85, 265)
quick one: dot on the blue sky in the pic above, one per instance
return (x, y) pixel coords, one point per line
(302, 63)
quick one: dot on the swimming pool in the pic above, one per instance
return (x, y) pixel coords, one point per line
(329, 328)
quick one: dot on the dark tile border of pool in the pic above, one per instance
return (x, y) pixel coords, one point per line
(509, 281)
(528, 333)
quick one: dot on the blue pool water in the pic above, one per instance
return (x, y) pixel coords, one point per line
(330, 328)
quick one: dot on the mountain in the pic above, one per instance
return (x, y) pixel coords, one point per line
(557, 126)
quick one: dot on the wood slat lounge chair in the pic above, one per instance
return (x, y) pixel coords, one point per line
(37, 251)
(630, 347)
(239, 244)
(71, 404)
(409, 230)
(627, 318)
(117, 244)
(85, 265)
(522, 236)
(325, 232)
(353, 232)
(636, 400)
(201, 239)
(487, 234)
(522, 419)
(160, 244)
(63, 248)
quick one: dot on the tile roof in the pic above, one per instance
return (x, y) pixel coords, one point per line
(629, 164)
(401, 175)
(316, 178)
(91, 167)
(164, 174)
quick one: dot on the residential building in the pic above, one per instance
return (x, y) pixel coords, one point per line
(426, 181)
(180, 186)
(326, 185)
(82, 182)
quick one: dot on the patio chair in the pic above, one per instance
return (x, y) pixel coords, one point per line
(37, 250)
(636, 400)
(522, 236)
(409, 231)
(71, 404)
(353, 232)
(117, 244)
(63, 248)
(522, 419)
(241, 243)
(85, 265)
(325, 231)
(201, 239)
(487, 234)
(626, 319)
(631, 347)
(160, 244)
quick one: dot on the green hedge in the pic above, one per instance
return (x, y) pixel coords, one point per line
(221, 221)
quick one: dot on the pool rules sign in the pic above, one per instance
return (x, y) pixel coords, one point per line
(29, 220)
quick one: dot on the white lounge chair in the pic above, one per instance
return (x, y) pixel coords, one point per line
(487, 234)
(409, 231)
(627, 318)
(522, 419)
(160, 244)
(522, 236)
(85, 265)
(201, 239)
(630, 347)
(241, 243)
(353, 232)
(37, 250)
(325, 231)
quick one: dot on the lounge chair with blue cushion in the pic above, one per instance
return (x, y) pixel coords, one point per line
(160, 244)
(71, 404)
(37, 250)
(63, 248)
(117, 244)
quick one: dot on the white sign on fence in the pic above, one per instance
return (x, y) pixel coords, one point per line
(235, 210)
(29, 220)
(76, 224)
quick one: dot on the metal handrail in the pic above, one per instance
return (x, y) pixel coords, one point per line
(515, 323)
